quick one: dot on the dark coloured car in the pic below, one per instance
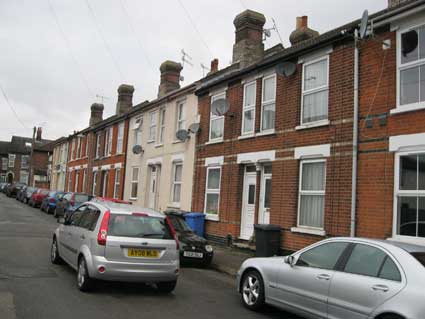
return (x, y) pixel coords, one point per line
(194, 249)
(48, 204)
(38, 196)
(14, 188)
(3, 187)
(21, 193)
(69, 202)
(25, 198)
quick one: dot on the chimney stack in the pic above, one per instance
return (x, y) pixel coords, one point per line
(39, 132)
(125, 98)
(96, 113)
(170, 77)
(302, 31)
(248, 47)
(214, 66)
(395, 3)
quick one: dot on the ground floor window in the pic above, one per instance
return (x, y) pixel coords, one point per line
(117, 182)
(93, 191)
(212, 191)
(24, 177)
(410, 195)
(311, 201)
(176, 182)
(134, 182)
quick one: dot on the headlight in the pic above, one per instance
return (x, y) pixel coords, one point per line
(208, 248)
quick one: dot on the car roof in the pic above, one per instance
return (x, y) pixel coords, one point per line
(389, 243)
(117, 208)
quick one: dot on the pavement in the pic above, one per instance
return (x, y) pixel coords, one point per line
(229, 260)
(33, 288)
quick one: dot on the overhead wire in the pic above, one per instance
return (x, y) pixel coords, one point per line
(68, 44)
(11, 107)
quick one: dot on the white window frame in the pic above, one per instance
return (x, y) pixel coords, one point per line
(215, 118)
(174, 183)
(214, 217)
(108, 141)
(84, 180)
(27, 161)
(266, 103)
(315, 90)
(98, 144)
(153, 122)
(93, 191)
(137, 128)
(397, 192)
(11, 162)
(78, 147)
(181, 115)
(162, 114)
(4, 163)
(73, 149)
(134, 181)
(317, 193)
(23, 173)
(117, 181)
(86, 154)
(246, 108)
(400, 67)
(120, 138)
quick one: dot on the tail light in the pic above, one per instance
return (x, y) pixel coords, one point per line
(173, 232)
(103, 230)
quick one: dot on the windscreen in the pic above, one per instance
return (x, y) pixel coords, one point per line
(138, 227)
(81, 198)
(179, 224)
(420, 257)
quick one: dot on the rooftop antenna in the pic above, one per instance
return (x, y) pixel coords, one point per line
(102, 98)
(186, 58)
(204, 68)
(267, 32)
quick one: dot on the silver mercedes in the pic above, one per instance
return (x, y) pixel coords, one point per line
(340, 278)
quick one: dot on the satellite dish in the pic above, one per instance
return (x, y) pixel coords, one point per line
(286, 68)
(220, 107)
(409, 42)
(194, 128)
(363, 24)
(182, 135)
(137, 149)
(267, 33)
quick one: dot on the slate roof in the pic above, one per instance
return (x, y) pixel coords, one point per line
(17, 145)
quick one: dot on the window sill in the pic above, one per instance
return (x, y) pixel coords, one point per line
(244, 137)
(214, 142)
(263, 133)
(310, 231)
(159, 145)
(408, 108)
(177, 142)
(132, 199)
(213, 218)
(311, 125)
(149, 142)
(174, 205)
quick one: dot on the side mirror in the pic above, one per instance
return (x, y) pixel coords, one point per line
(290, 260)
(61, 220)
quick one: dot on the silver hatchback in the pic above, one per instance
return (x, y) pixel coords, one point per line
(104, 240)
(340, 278)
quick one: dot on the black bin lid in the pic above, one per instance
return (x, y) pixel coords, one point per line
(267, 227)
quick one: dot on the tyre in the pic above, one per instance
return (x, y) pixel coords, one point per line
(84, 282)
(252, 291)
(391, 316)
(54, 253)
(166, 287)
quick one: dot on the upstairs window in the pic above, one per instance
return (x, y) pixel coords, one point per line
(108, 142)
(412, 66)
(79, 147)
(248, 117)
(25, 161)
(216, 122)
(315, 91)
(73, 149)
(4, 163)
(98, 145)
(180, 116)
(268, 103)
(137, 128)
(161, 125)
(152, 126)
(120, 138)
(12, 158)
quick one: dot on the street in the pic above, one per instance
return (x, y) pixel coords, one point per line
(31, 287)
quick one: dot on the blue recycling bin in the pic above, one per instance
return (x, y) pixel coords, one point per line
(196, 221)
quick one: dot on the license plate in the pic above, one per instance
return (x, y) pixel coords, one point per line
(145, 253)
(193, 254)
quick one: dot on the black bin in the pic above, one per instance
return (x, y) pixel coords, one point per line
(267, 239)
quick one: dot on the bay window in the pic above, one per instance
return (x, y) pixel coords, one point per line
(268, 103)
(248, 116)
(212, 192)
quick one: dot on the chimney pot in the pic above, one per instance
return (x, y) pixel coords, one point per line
(39, 133)
(395, 3)
(96, 113)
(302, 32)
(214, 66)
(125, 98)
(170, 77)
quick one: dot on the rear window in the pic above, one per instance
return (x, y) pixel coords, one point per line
(420, 257)
(138, 227)
(81, 198)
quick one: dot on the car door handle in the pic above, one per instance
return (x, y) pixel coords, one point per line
(382, 288)
(323, 277)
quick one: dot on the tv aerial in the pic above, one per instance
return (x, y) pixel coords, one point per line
(182, 135)
(204, 68)
(186, 58)
(194, 128)
(220, 107)
(286, 69)
(137, 149)
(267, 32)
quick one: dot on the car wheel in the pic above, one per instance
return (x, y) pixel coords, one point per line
(391, 316)
(166, 287)
(84, 282)
(252, 291)
(54, 253)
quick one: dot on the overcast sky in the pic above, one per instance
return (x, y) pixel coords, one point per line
(57, 55)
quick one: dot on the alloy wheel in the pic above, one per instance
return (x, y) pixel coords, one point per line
(251, 290)
(81, 272)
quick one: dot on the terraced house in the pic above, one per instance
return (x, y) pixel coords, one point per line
(291, 150)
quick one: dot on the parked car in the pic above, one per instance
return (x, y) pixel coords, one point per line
(69, 202)
(48, 204)
(117, 242)
(13, 189)
(28, 193)
(194, 249)
(340, 278)
(21, 193)
(38, 196)
(3, 187)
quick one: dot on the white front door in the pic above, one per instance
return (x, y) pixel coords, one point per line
(265, 194)
(153, 187)
(248, 205)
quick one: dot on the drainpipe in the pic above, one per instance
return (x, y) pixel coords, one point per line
(355, 135)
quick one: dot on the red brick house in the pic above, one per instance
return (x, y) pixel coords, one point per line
(283, 153)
